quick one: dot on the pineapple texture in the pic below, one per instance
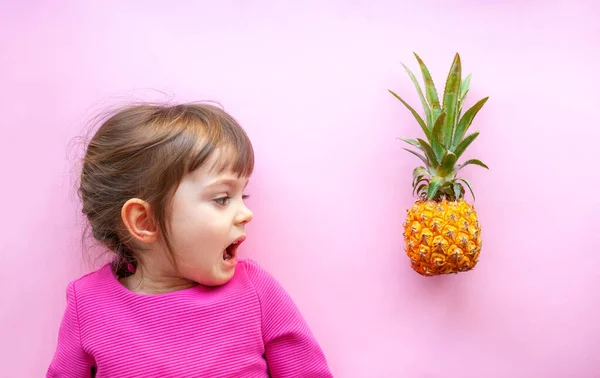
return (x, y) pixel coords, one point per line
(442, 237)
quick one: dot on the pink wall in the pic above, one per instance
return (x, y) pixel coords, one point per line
(309, 82)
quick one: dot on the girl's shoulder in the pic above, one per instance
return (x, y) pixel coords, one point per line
(254, 271)
(98, 278)
(93, 286)
(264, 283)
(250, 266)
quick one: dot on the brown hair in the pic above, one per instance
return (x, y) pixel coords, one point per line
(143, 151)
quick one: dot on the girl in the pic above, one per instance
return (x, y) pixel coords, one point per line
(163, 188)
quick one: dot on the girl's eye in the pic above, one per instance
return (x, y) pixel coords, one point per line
(222, 201)
(245, 196)
(225, 200)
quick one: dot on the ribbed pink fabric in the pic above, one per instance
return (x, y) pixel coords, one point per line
(248, 327)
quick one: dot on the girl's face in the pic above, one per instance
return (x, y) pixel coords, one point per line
(207, 224)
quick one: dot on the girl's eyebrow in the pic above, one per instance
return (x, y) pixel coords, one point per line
(228, 182)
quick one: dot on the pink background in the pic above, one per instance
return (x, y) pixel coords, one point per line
(309, 82)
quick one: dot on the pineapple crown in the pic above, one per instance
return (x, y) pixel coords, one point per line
(445, 129)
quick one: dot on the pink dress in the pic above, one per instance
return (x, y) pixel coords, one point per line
(248, 327)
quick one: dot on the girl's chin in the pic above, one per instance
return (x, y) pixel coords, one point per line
(222, 274)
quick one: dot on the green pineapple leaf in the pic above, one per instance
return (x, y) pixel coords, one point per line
(432, 96)
(466, 120)
(472, 161)
(419, 172)
(420, 187)
(421, 97)
(423, 159)
(415, 114)
(433, 162)
(458, 190)
(436, 136)
(412, 142)
(458, 151)
(464, 87)
(448, 190)
(468, 185)
(434, 186)
(459, 111)
(451, 98)
(418, 180)
(447, 164)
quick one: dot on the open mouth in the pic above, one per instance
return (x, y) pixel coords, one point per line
(231, 251)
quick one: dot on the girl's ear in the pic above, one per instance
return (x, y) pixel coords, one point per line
(137, 217)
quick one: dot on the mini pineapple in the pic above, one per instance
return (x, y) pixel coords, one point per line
(442, 233)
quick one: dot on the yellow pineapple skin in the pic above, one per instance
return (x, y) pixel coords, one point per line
(442, 237)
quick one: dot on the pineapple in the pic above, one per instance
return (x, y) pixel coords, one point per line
(442, 233)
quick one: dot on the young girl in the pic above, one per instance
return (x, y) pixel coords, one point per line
(163, 188)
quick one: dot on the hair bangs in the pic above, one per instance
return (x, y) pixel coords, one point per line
(226, 147)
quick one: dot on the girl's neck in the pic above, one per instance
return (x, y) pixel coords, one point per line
(147, 282)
